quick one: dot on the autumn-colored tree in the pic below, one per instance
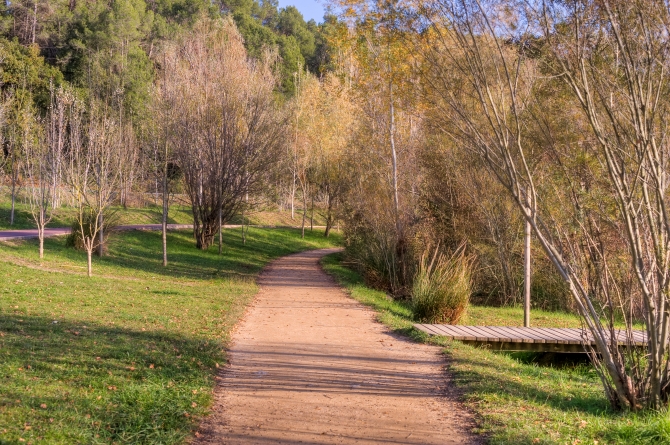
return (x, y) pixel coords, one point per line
(227, 131)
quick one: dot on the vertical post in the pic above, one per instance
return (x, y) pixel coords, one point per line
(526, 275)
(220, 232)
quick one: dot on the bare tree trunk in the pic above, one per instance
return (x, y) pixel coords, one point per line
(101, 236)
(526, 274)
(304, 212)
(11, 213)
(293, 188)
(165, 216)
(89, 254)
(220, 233)
(244, 233)
(34, 30)
(394, 159)
(329, 216)
(311, 220)
(40, 235)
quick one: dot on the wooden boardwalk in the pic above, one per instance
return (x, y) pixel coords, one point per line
(505, 338)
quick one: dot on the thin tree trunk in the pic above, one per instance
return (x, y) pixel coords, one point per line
(526, 274)
(11, 213)
(394, 158)
(34, 30)
(311, 219)
(304, 213)
(165, 216)
(244, 233)
(89, 254)
(40, 235)
(293, 198)
(101, 236)
(220, 233)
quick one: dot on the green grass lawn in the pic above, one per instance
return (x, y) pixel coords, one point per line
(131, 354)
(515, 400)
(149, 214)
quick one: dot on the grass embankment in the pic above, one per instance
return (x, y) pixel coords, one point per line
(518, 402)
(130, 355)
(122, 216)
(149, 214)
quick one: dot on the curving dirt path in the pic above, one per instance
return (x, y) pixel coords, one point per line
(308, 364)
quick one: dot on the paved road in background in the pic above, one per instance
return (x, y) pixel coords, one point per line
(6, 235)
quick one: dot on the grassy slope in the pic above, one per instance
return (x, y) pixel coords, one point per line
(518, 402)
(130, 355)
(151, 214)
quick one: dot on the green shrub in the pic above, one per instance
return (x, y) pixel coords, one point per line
(442, 287)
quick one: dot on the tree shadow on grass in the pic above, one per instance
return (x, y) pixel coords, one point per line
(141, 251)
(477, 376)
(78, 382)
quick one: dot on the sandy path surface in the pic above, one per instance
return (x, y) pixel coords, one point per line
(308, 364)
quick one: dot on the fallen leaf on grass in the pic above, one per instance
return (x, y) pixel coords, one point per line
(112, 388)
(151, 366)
(43, 406)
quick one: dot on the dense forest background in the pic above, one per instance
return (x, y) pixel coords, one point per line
(109, 46)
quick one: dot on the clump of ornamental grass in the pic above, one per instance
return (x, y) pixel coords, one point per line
(442, 286)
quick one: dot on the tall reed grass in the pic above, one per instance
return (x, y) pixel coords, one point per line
(442, 286)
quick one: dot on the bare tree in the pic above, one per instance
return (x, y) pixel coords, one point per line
(228, 130)
(92, 170)
(614, 58)
(42, 165)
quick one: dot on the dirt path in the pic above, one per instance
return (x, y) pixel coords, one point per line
(310, 365)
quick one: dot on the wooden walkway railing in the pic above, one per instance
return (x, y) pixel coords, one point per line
(505, 338)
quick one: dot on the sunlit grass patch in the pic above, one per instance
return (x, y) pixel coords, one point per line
(129, 355)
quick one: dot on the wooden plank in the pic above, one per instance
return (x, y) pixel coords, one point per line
(480, 336)
(466, 332)
(502, 336)
(452, 332)
(517, 336)
(551, 336)
(467, 335)
(488, 334)
(430, 329)
(509, 336)
(528, 332)
(496, 333)
(561, 336)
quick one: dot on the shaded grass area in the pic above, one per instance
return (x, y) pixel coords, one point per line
(517, 401)
(130, 355)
